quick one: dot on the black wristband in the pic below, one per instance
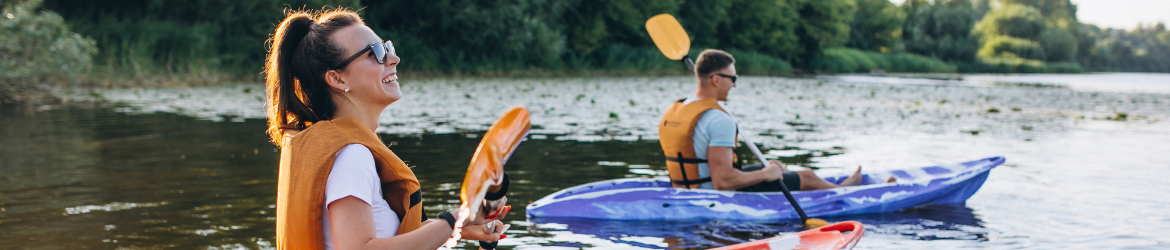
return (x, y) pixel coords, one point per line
(500, 193)
(446, 215)
(488, 245)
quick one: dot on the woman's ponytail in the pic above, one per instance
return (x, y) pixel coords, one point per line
(298, 57)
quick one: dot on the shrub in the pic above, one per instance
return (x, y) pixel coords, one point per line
(755, 63)
(847, 60)
(1010, 64)
(1005, 46)
(38, 48)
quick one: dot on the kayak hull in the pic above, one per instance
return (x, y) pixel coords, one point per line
(654, 199)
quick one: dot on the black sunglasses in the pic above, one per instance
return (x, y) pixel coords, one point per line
(733, 78)
(379, 50)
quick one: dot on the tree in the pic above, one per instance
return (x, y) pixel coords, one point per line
(1058, 13)
(705, 20)
(1087, 36)
(876, 26)
(38, 47)
(823, 24)
(1059, 45)
(940, 30)
(465, 35)
(1012, 20)
(147, 36)
(981, 8)
(765, 26)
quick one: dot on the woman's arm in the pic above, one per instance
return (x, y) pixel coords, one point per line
(352, 222)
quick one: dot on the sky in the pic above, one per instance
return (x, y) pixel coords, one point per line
(1121, 14)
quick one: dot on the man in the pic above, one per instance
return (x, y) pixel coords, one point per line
(698, 137)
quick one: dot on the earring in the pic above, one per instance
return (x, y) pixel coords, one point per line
(346, 90)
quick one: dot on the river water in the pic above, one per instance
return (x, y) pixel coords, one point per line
(191, 168)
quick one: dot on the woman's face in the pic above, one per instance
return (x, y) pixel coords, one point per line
(369, 82)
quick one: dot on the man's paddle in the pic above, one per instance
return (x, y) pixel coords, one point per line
(673, 41)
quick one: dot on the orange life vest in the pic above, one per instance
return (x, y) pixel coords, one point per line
(675, 135)
(306, 158)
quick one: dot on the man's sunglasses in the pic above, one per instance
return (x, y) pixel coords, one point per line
(733, 78)
(379, 50)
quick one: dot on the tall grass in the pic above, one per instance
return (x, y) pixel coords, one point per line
(1010, 65)
(164, 53)
(610, 59)
(755, 63)
(847, 60)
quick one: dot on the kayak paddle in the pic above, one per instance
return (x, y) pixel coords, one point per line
(673, 41)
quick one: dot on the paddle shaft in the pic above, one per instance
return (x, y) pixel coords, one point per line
(787, 193)
(756, 151)
(673, 41)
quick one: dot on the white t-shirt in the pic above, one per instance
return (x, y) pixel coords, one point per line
(715, 128)
(354, 175)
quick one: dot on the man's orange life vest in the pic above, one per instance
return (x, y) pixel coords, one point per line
(306, 158)
(675, 135)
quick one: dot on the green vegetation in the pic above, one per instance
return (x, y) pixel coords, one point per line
(38, 48)
(940, 30)
(160, 42)
(846, 60)
(1145, 49)
(877, 26)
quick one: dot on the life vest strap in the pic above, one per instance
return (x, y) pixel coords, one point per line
(685, 160)
(691, 182)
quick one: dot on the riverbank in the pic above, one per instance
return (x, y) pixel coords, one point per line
(748, 64)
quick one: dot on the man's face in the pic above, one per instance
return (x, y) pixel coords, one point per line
(722, 83)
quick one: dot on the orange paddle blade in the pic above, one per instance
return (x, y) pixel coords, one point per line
(670, 37)
(486, 170)
(843, 235)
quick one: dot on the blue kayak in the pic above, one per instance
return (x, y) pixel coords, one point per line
(653, 198)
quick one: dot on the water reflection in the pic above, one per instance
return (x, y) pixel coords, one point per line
(77, 176)
(931, 222)
(88, 176)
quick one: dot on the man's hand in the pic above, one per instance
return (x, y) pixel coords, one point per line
(783, 168)
(773, 171)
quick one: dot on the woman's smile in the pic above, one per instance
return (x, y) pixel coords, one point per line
(392, 78)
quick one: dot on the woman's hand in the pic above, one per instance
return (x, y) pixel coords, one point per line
(497, 209)
(492, 210)
(491, 231)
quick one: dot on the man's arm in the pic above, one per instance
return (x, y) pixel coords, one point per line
(724, 177)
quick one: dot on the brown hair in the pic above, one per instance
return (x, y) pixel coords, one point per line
(711, 60)
(299, 55)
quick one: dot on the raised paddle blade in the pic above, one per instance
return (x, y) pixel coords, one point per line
(486, 171)
(670, 37)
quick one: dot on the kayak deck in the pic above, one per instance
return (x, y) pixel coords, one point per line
(654, 199)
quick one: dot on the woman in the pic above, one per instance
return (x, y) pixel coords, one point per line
(328, 79)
